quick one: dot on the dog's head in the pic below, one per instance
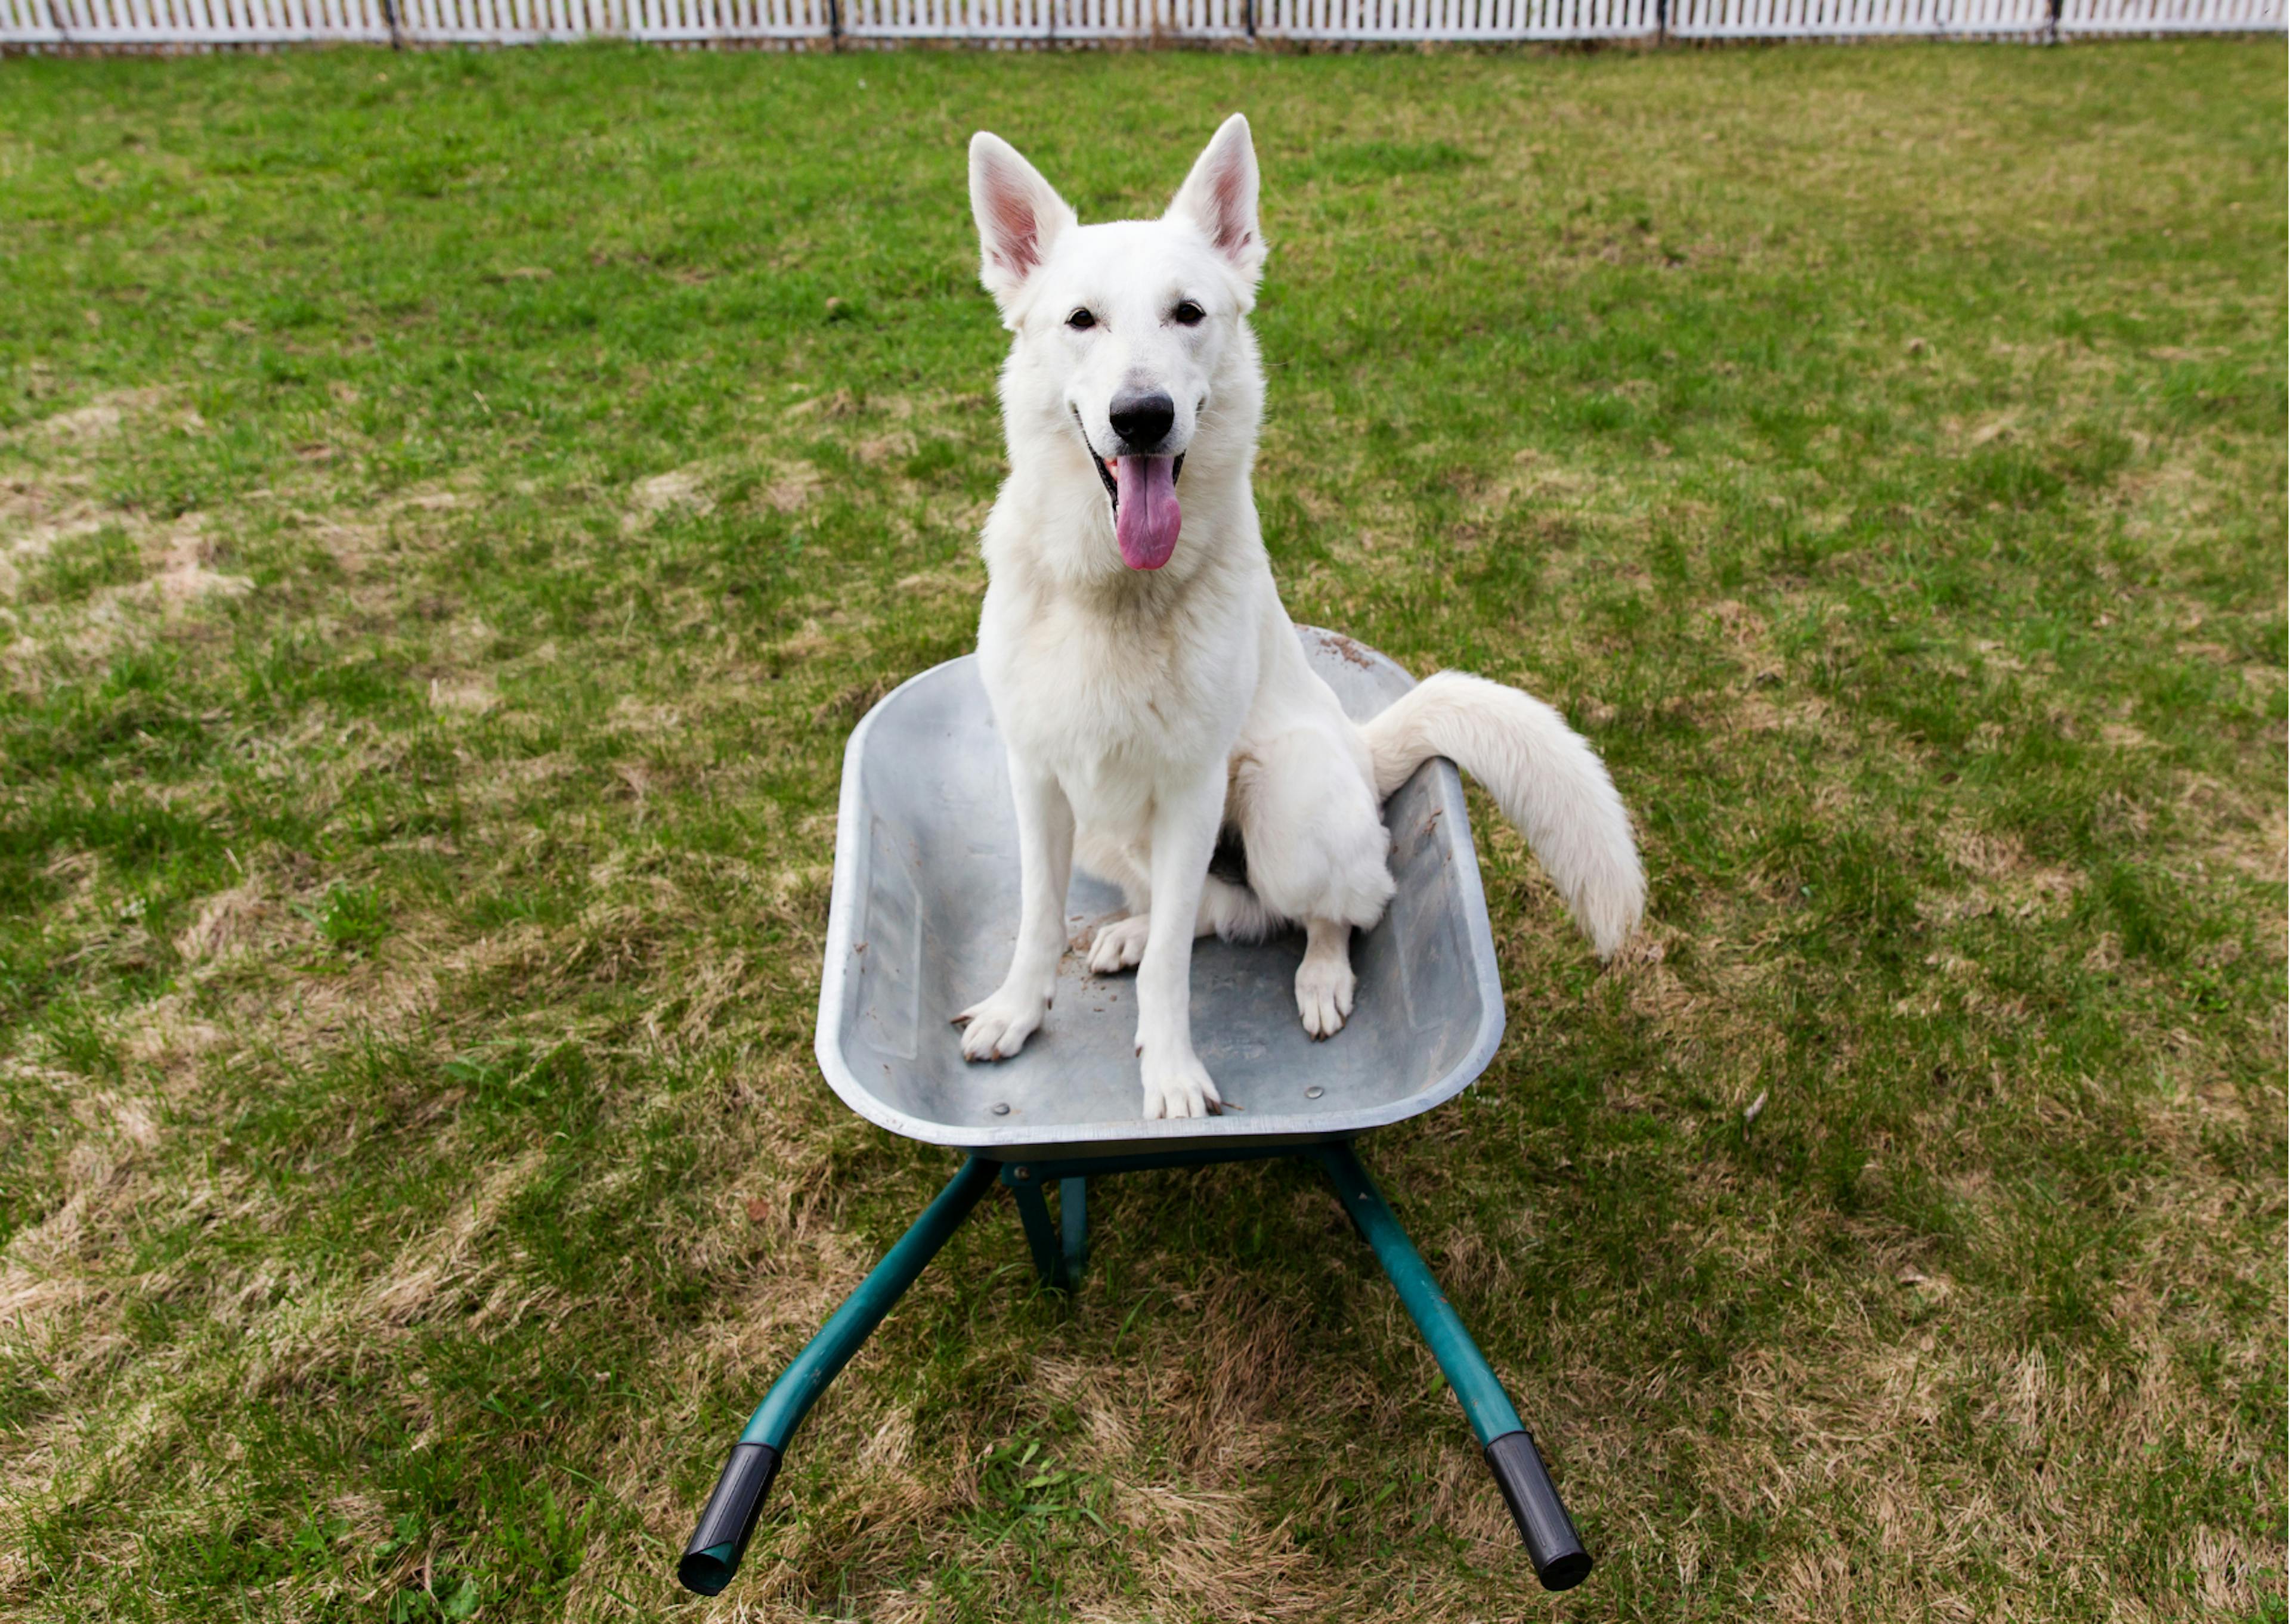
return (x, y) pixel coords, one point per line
(1126, 333)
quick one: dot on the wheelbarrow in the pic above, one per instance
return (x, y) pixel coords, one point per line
(922, 921)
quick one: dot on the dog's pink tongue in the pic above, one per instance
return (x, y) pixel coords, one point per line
(1145, 521)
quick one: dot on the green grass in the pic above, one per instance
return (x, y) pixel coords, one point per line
(454, 506)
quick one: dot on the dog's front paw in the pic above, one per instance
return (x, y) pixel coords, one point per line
(1179, 1086)
(1118, 945)
(1324, 995)
(995, 1029)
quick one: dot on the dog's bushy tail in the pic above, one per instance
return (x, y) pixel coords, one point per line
(1541, 772)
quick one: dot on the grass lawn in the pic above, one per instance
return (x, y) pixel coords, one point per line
(453, 507)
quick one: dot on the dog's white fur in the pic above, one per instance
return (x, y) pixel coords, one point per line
(1144, 710)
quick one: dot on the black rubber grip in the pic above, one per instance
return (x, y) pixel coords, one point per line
(713, 1554)
(1552, 1544)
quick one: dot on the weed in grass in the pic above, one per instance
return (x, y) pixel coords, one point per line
(351, 918)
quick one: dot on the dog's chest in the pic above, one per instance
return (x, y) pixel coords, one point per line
(1116, 705)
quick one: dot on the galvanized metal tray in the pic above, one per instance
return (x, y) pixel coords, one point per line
(924, 913)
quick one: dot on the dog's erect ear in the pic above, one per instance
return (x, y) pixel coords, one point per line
(1220, 198)
(1019, 216)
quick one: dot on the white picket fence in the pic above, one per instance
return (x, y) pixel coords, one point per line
(205, 24)
(1857, 18)
(1039, 21)
(2170, 16)
(192, 23)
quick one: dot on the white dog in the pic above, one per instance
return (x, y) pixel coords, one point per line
(1146, 680)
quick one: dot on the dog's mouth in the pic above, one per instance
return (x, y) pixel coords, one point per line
(1143, 492)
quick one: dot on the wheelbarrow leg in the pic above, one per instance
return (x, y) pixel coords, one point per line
(1552, 1544)
(1073, 1219)
(721, 1539)
(1060, 1248)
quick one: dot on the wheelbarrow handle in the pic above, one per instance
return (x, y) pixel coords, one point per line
(718, 1545)
(1552, 1544)
(729, 1521)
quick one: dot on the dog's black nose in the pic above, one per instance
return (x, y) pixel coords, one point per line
(1142, 420)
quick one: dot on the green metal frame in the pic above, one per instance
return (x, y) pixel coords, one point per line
(1061, 1249)
(824, 1357)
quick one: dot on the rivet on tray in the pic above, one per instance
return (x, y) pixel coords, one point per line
(1315, 1091)
(1001, 1110)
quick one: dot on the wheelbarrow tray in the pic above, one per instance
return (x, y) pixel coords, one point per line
(925, 917)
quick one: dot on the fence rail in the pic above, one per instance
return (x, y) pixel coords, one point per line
(195, 24)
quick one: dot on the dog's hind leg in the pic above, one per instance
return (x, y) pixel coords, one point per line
(1226, 910)
(1233, 913)
(1318, 851)
(1119, 943)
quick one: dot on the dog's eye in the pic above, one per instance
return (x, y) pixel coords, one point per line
(1187, 314)
(1081, 321)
